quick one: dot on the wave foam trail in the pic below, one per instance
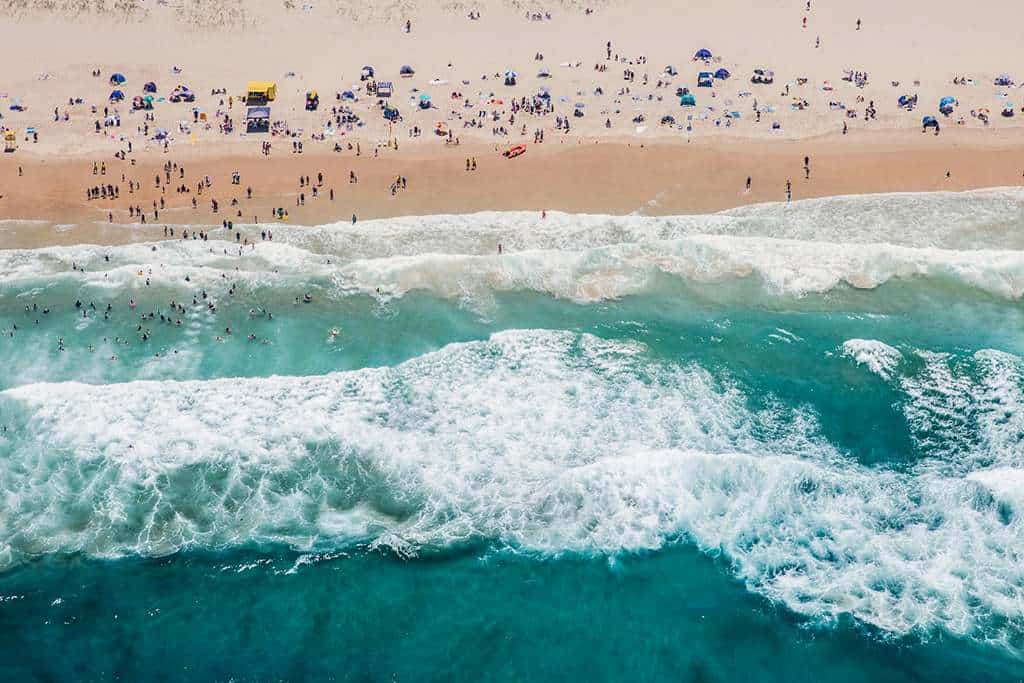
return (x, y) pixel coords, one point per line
(876, 356)
(542, 441)
(784, 267)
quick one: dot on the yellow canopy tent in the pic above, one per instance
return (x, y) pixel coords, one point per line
(262, 90)
(10, 140)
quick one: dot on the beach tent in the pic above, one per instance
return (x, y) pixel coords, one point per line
(688, 100)
(384, 89)
(946, 105)
(907, 101)
(348, 95)
(578, 110)
(702, 53)
(257, 119)
(116, 96)
(406, 71)
(722, 74)
(182, 94)
(668, 120)
(261, 91)
(367, 72)
(391, 114)
(510, 77)
(705, 79)
(930, 122)
(424, 101)
(117, 79)
(149, 87)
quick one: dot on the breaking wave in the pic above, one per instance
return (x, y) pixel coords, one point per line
(544, 442)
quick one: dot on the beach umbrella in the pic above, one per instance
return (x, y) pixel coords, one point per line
(929, 121)
(947, 101)
(116, 96)
(702, 53)
(406, 70)
(149, 87)
(511, 74)
(117, 79)
(722, 74)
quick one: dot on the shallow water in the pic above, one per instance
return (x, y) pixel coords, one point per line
(785, 443)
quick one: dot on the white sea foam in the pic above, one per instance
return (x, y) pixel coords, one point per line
(785, 267)
(974, 239)
(546, 441)
(876, 356)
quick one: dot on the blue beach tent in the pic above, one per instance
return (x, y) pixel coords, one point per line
(116, 96)
(117, 79)
(722, 74)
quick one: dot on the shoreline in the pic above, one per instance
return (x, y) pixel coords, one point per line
(660, 179)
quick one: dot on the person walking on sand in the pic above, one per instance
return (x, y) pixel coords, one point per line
(748, 183)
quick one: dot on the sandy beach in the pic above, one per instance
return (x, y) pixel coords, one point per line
(619, 66)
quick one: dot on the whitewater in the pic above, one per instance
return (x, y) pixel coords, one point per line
(823, 400)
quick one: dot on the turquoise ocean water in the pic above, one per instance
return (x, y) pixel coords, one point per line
(784, 443)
